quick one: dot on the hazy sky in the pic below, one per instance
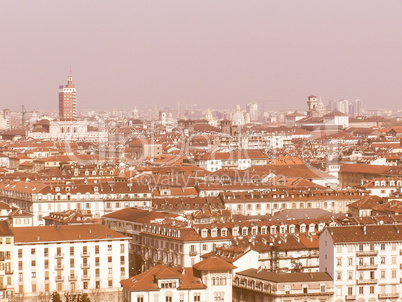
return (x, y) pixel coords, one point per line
(214, 53)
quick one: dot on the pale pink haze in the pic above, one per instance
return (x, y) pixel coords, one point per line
(212, 53)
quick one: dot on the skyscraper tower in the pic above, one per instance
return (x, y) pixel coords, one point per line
(68, 100)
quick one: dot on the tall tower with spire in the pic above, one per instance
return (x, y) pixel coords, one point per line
(68, 100)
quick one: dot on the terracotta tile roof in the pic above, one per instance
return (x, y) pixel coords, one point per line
(5, 229)
(367, 202)
(147, 281)
(214, 264)
(284, 277)
(366, 233)
(137, 215)
(64, 233)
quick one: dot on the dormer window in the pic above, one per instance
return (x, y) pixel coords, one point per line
(224, 233)
(214, 232)
(292, 229)
(204, 233)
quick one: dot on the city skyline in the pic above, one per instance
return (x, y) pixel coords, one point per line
(212, 54)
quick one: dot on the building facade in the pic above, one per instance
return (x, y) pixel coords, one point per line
(68, 100)
(69, 259)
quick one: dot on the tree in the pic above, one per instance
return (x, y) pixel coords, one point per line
(297, 267)
(44, 297)
(97, 295)
(85, 298)
(56, 297)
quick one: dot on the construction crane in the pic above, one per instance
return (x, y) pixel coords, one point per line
(23, 112)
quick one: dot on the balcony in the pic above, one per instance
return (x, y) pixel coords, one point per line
(366, 281)
(85, 254)
(361, 267)
(193, 253)
(72, 278)
(59, 267)
(350, 298)
(85, 266)
(366, 253)
(59, 278)
(59, 255)
(388, 296)
(85, 277)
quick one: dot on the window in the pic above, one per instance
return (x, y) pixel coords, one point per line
(361, 290)
(109, 248)
(197, 297)
(33, 252)
(305, 290)
(371, 289)
(110, 283)
(46, 252)
(382, 260)
(96, 249)
(19, 253)
(140, 299)
(350, 261)
(204, 247)
(109, 259)
(383, 246)
(322, 288)
(350, 291)
(339, 261)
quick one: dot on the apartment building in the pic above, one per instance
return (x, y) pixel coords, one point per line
(41, 199)
(6, 262)
(258, 285)
(130, 222)
(207, 281)
(241, 160)
(69, 259)
(271, 201)
(383, 187)
(364, 261)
